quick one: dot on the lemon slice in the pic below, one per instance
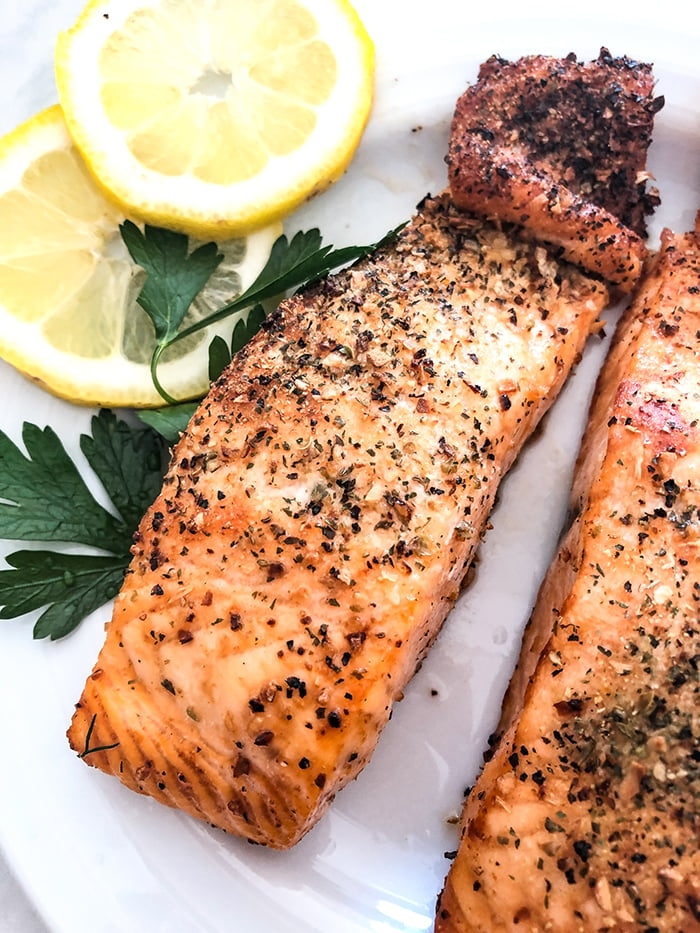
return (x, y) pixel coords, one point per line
(68, 287)
(220, 116)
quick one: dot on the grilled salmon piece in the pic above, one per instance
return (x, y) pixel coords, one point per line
(585, 817)
(560, 146)
(318, 518)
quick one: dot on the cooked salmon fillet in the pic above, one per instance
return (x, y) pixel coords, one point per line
(560, 146)
(318, 518)
(586, 816)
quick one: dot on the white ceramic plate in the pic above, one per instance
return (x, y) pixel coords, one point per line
(95, 857)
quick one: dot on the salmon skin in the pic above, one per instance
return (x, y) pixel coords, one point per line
(318, 517)
(585, 818)
(559, 146)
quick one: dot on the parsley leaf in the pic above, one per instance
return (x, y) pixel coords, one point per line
(170, 421)
(174, 279)
(220, 355)
(44, 498)
(129, 462)
(70, 585)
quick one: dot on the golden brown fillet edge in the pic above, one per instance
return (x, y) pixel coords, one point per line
(449, 289)
(598, 828)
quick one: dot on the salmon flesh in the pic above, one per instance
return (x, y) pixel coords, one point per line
(317, 520)
(585, 817)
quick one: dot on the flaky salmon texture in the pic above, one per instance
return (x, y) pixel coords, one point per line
(318, 518)
(585, 818)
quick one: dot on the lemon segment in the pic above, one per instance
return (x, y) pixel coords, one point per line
(68, 287)
(217, 117)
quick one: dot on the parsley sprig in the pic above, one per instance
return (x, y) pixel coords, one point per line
(43, 498)
(175, 277)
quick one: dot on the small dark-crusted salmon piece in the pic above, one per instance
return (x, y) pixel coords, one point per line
(318, 518)
(559, 146)
(586, 816)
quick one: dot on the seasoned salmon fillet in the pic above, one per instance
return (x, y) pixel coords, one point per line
(560, 146)
(317, 520)
(586, 816)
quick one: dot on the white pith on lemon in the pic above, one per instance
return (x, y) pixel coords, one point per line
(68, 287)
(218, 116)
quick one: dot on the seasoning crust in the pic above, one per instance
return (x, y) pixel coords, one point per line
(559, 146)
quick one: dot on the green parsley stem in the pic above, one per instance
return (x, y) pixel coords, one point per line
(155, 359)
(213, 318)
(98, 748)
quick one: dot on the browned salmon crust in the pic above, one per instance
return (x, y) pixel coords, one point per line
(560, 147)
(585, 818)
(318, 518)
